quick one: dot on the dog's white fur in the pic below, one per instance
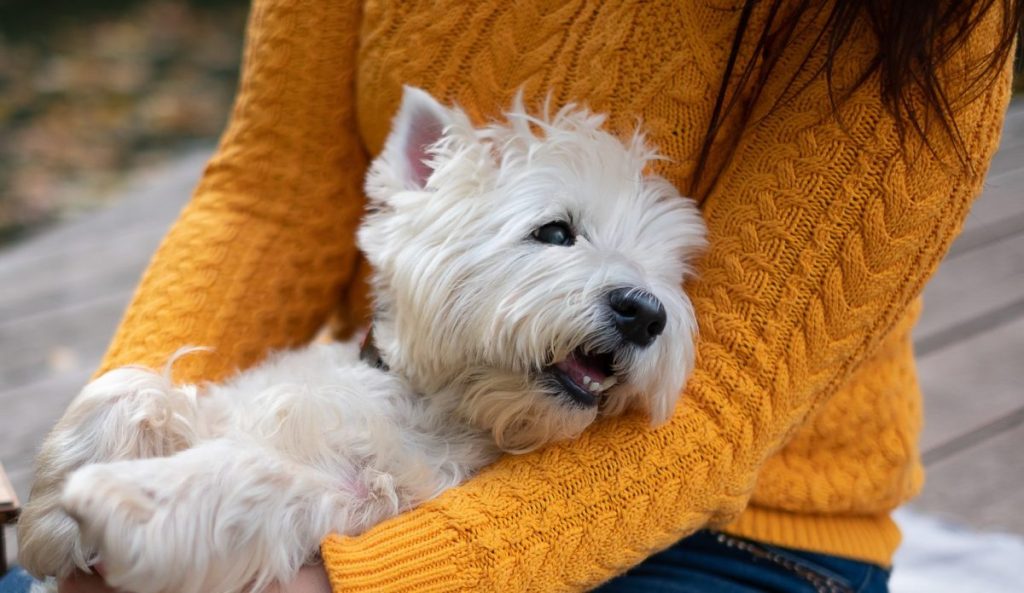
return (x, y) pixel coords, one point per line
(228, 487)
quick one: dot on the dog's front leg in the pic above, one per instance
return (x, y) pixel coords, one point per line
(125, 414)
(224, 516)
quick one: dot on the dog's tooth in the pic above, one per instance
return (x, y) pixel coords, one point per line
(586, 379)
(609, 383)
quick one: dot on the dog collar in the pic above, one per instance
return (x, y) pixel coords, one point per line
(369, 353)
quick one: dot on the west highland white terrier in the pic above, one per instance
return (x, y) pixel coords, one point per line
(527, 277)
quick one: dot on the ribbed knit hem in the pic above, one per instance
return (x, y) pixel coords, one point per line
(421, 554)
(869, 538)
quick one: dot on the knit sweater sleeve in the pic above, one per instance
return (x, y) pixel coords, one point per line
(822, 232)
(260, 255)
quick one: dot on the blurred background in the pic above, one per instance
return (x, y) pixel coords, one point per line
(110, 108)
(92, 91)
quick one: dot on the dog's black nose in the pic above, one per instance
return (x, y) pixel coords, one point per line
(638, 316)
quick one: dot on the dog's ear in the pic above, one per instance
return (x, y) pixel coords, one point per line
(420, 122)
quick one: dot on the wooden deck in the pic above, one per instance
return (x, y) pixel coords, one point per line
(62, 293)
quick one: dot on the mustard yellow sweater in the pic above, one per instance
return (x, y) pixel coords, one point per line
(800, 424)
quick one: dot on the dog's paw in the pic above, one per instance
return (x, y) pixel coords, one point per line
(49, 544)
(100, 495)
(126, 520)
(126, 413)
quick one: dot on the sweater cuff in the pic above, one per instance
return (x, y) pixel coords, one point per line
(868, 538)
(417, 552)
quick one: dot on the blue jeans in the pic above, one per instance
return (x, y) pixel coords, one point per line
(711, 562)
(15, 581)
(708, 562)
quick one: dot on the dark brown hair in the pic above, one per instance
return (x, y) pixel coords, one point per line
(915, 39)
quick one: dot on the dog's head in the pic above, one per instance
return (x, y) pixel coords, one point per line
(531, 269)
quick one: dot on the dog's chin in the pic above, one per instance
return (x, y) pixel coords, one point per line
(583, 378)
(553, 403)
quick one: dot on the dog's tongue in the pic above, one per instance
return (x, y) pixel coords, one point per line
(585, 372)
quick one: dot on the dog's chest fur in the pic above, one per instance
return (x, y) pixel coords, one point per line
(359, 423)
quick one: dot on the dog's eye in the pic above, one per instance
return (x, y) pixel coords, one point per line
(555, 233)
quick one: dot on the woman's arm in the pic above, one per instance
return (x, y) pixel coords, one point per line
(821, 235)
(261, 254)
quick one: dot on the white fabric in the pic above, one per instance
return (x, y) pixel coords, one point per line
(941, 557)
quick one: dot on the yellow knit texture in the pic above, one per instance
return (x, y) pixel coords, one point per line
(799, 425)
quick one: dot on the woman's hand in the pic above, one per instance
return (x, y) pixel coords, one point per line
(80, 582)
(311, 579)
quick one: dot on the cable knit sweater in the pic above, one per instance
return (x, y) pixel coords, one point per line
(799, 426)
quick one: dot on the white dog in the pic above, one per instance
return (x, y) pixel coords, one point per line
(527, 280)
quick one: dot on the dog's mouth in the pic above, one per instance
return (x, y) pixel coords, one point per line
(584, 376)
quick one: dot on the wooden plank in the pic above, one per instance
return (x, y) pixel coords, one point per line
(38, 346)
(150, 201)
(971, 384)
(11, 540)
(63, 292)
(980, 486)
(999, 212)
(1013, 126)
(969, 291)
(1010, 154)
(30, 411)
(73, 277)
(1000, 199)
(1007, 159)
(971, 340)
(61, 296)
(9, 506)
(9, 510)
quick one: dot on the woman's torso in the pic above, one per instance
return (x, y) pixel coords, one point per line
(658, 64)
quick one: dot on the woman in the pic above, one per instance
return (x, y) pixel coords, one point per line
(835, 150)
